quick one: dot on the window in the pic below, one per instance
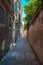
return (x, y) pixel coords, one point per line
(2, 15)
(10, 22)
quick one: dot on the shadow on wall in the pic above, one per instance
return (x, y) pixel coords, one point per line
(5, 41)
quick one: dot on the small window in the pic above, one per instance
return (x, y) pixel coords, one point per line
(10, 22)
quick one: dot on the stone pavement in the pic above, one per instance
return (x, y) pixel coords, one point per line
(20, 54)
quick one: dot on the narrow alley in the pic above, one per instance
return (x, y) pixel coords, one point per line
(21, 32)
(20, 54)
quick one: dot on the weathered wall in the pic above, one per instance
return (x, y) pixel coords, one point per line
(36, 36)
(5, 31)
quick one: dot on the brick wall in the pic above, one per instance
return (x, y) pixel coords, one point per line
(36, 36)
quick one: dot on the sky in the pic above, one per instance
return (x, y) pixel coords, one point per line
(24, 3)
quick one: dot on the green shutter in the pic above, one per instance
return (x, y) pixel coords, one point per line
(16, 8)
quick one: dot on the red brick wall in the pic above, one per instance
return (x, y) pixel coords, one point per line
(36, 36)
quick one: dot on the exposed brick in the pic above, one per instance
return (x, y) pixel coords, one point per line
(35, 36)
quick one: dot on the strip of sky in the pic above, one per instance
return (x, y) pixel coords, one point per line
(24, 2)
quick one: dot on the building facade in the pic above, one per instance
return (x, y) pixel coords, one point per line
(10, 17)
(5, 26)
(17, 18)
